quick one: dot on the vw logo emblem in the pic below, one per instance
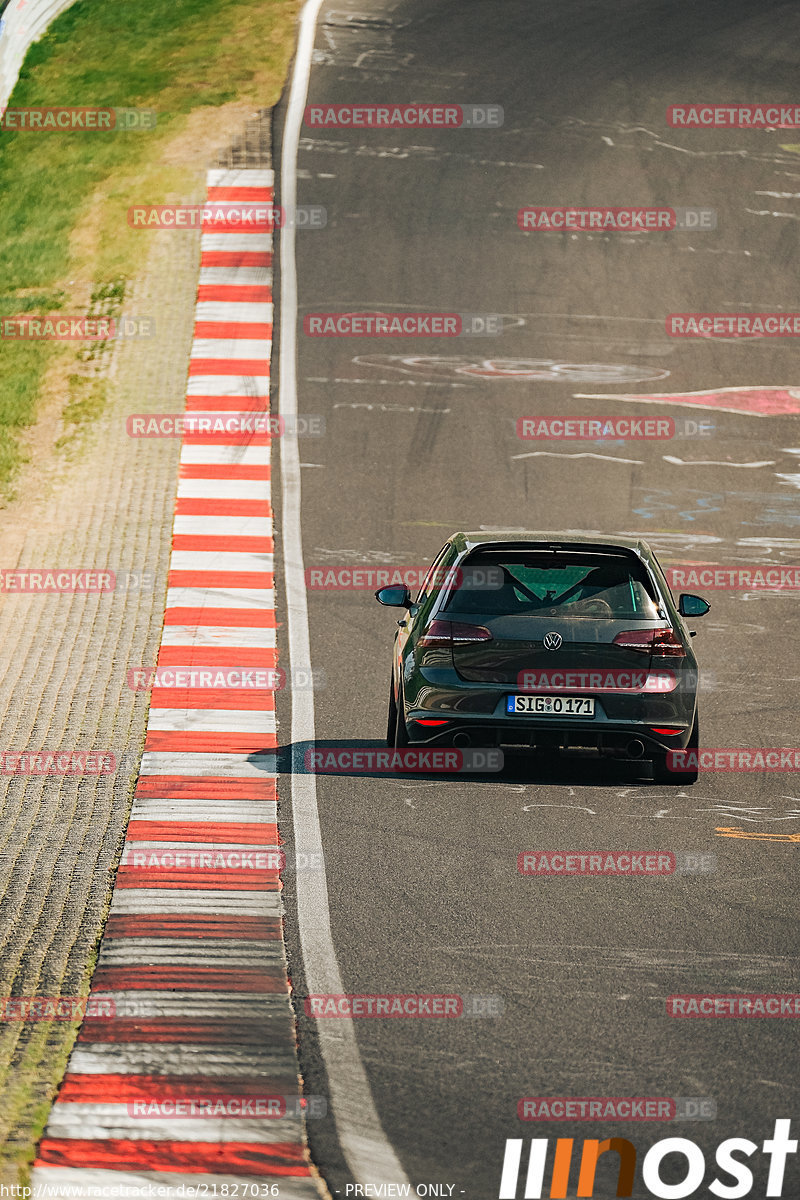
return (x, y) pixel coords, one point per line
(552, 641)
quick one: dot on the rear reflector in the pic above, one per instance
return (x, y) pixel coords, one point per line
(445, 633)
(432, 722)
(662, 642)
(655, 730)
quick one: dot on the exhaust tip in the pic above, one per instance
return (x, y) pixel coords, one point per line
(462, 739)
(635, 748)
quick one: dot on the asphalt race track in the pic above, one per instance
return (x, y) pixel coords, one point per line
(422, 879)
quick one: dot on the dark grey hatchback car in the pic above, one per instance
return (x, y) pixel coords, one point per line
(548, 642)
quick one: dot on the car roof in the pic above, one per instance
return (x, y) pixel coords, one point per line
(565, 540)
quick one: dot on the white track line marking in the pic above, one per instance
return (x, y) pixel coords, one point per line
(212, 720)
(712, 462)
(158, 1058)
(226, 311)
(102, 1121)
(193, 764)
(224, 489)
(242, 455)
(188, 810)
(369, 1155)
(132, 952)
(177, 1003)
(228, 598)
(211, 526)
(243, 177)
(229, 385)
(584, 454)
(231, 348)
(219, 560)
(219, 635)
(236, 276)
(164, 901)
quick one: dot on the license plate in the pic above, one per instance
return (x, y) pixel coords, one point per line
(551, 706)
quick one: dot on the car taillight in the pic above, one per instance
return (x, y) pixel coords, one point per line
(445, 633)
(662, 643)
(667, 645)
(635, 639)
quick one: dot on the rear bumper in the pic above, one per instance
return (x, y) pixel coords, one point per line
(478, 712)
(611, 739)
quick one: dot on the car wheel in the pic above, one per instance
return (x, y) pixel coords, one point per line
(662, 773)
(391, 725)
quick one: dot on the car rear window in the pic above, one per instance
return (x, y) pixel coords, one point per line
(591, 586)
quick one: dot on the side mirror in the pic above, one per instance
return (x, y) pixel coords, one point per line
(394, 597)
(692, 606)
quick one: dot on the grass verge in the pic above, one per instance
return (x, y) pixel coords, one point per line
(203, 66)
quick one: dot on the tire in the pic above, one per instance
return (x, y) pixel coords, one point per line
(391, 725)
(662, 773)
(400, 730)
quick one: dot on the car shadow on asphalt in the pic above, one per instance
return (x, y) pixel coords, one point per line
(352, 758)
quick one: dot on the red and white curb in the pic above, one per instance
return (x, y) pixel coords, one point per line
(191, 987)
